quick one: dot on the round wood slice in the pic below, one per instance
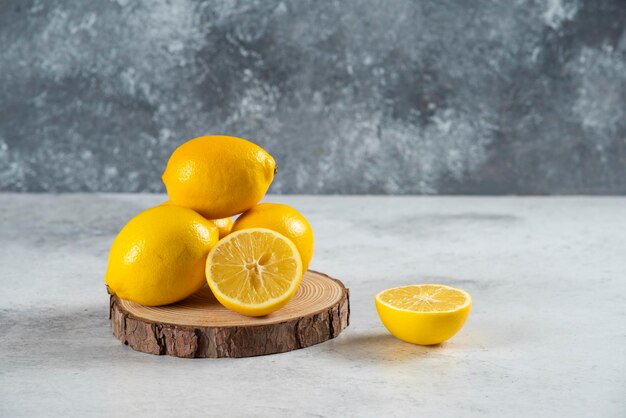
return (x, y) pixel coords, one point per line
(200, 327)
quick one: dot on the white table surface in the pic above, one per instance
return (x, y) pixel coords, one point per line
(546, 336)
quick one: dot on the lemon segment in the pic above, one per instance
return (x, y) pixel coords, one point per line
(254, 271)
(423, 314)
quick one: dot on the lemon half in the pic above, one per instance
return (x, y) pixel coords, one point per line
(254, 271)
(424, 314)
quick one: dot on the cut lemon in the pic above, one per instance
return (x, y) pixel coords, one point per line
(254, 271)
(424, 314)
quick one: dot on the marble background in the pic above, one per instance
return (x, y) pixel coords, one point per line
(393, 97)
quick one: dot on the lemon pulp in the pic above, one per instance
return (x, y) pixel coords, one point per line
(425, 298)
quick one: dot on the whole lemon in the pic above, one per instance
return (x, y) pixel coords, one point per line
(159, 256)
(286, 221)
(218, 176)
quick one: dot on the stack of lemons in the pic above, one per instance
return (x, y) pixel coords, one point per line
(168, 252)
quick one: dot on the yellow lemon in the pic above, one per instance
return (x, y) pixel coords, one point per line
(423, 314)
(218, 176)
(286, 221)
(224, 225)
(254, 272)
(159, 256)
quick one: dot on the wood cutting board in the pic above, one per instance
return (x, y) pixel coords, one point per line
(200, 327)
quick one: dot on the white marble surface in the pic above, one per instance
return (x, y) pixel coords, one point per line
(546, 337)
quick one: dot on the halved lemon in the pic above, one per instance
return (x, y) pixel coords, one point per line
(254, 271)
(424, 314)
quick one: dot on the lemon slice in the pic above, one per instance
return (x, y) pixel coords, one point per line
(424, 314)
(254, 271)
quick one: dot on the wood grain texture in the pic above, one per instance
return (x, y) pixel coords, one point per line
(200, 327)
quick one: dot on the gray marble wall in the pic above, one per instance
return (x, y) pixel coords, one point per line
(385, 96)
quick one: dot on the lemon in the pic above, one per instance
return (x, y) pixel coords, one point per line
(159, 256)
(218, 176)
(254, 271)
(224, 225)
(423, 314)
(286, 221)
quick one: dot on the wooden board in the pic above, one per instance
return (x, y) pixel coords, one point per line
(200, 327)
